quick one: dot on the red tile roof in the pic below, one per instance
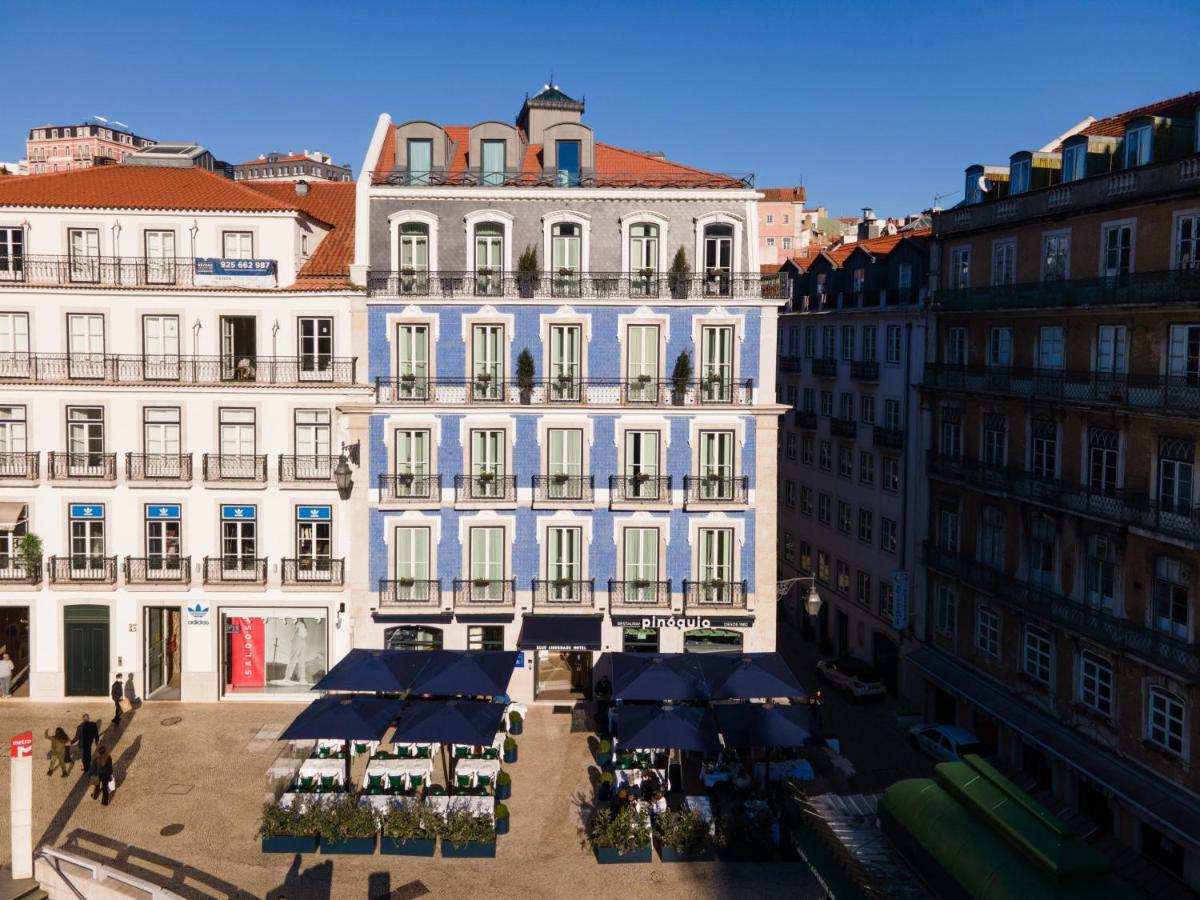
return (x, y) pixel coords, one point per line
(1181, 107)
(784, 194)
(332, 203)
(882, 246)
(137, 187)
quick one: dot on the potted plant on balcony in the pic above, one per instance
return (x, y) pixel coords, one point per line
(683, 836)
(482, 582)
(29, 555)
(525, 375)
(510, 749)
(678, 276)
(409, 829)
(620, 837)
(604, 752)
(467, 834)
(287, 829)
(501, 817)
(561, 478)
(681, 377)
(527, 273)
(515, 723)
(344, 827)
(406, 582)
(503, 786)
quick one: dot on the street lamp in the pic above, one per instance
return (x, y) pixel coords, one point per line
(812, 603)
(343, 477)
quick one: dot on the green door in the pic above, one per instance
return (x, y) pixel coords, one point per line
(86, 645)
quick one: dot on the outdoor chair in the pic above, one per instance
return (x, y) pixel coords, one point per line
(323, 752)
(375, 784)
(360, 749)
(463, 782)
(307, 783)
(415, 782)
(491, 753)
(327, 782)
(484, 781)
(437, 790)
(396, 784)
(462, 752)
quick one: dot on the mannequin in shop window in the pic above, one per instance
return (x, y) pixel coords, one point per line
(297, 669)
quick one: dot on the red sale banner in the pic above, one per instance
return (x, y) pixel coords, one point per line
(248, 653)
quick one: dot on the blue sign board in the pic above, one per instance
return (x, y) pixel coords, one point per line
(314, 513)
(237, 512)
(239, 267)
(900, 600)
(87, 510)
(162, 511)
(520, 661)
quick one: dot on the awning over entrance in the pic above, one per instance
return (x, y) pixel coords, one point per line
(562, 633)
(1154, 799)
(10, 515)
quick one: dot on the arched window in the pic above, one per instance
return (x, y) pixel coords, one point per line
(566, 242)
(643, 259)
(718, 259)
(412, 637)
(414, 258)
(489, 259)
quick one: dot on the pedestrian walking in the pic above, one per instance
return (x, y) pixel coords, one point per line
(87, 734)
(6, 672)
(131, 692)
(60, 756)
(100, 776)
(117, 692)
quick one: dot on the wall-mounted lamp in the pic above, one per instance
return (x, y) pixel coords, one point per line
(343, 477)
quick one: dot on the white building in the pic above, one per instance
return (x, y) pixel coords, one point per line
(174, 351)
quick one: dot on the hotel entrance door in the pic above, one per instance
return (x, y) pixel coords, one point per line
(563, 675)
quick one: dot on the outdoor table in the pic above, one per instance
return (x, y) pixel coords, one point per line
(489, 768)
(383, 802)
(405, 767)
(702, 805)
(323, 768)
(333, 746)
(287, 799)
(497, 745)
(800, 769)
(712, 775)
(633, 777)
(443, 804)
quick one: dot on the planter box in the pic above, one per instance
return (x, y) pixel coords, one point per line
(469, 850)
(288, 843)
(609, 856)
(502, 826)
(503, 791)
(349, 847)
(510, 754)
(671, 855)
(515, 728)
(410, 847)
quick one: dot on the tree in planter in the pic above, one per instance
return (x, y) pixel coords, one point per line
(625, 830)
(678, 276)
(342, 819)
(525, 374)
(286, 821)
(462, 827)
(410, 822)
(29, 554)
(527, 272)
(685, 831)
(681, 376)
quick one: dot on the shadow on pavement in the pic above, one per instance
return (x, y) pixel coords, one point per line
(314, 883)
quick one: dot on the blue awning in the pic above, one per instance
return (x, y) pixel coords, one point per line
(562, 633)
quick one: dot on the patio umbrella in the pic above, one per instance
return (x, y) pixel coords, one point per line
(355, 718)
(676, 677)
(472, 722)
(651, 727)
(765, 725)
(744, 676)
(378, 671)
(457, 673)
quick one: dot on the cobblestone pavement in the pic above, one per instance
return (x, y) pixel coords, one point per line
(199, 766)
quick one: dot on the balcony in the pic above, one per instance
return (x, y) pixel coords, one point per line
(409, 593)
(308, 468)
(823, 366)
(158, 466)
(410, 487)
(550, 178)
(563, 593)
(1149, 392)
(57, 368)
(91, 466)
(113, 271)
(805, 419)
(158, 570)
(843, 428)
(639, 488)
(560, 490)
(241, 570)
(1134, 509)
(307, 571)
(13, 571)
(1096, 624)
(24, 466)
(639, 594)
(864, 370)
(578, 285)
(714, 595)
(1171, 288)
(82, 569)
(715, 488)
(235, 467)
(486, 488)
(642, 392)
(792, 364)
(484, 592)
(886, 438)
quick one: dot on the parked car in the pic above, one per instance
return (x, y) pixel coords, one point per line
(945, 743)
(852, 676)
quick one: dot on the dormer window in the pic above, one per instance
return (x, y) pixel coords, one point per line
(492, 168)
(420, 160)
(971, 192)
(1018, 179)
(1137, 146)
(568, 156)
(1074, 162)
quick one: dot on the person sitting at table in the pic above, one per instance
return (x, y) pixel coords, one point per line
(650, 783)
(623, 797)
(659, 803)
(741, 779)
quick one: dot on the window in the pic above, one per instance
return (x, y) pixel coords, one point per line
(160, 346)
(845, 516)
(488, 637)
(891, 414)
(770, 219)
(84, 249)
(787, 243)
(866, 526)
(1056, 257)
(488, 464)
(639, 640)
(1044, 463)
(887, 602)
(487, 564)
(1039, 654)
(806, 504)
(809, 400)
(822, 567)
(994, 445)
(960, 268)
(991, 538)
(866, 467)
(827, 403)
(715, 563)
(826, 461)
(847, 342)
(863, 592)
(86, 524)
(1172, 596)
(85, 440)
(893, 343)
(810, 340)
(824, 508)
(237, 245)
(643, 259)
(1117, 252)
(161, 441)
(1138, 142)
(1074, 162)
(770, 242)
(1102, 459)
(1004, 263)
(487, 362)
(987, 631)
(716, 363)
(805, 556)
(842, 585)
(1019, 176)
(951, 434)
(718, 258)
(904, 281)
(12, 441)
(412, 361)
(239, 541)
(10, 542)
(564, 564)
(846, 461)
(1096, 683)
(868, 343)
(1164, 720)
(564, 465)
(859, 280)
(493, 162)
(1101, 573)
(1175, 475)
(1050, 348)
(807, 445)
(867, 405)
(314, 540)
(411, 546)
(414, 258)
(1111, 357)
(891, 474)
(85, 346)
(489, 257)
(789, 546)
(887, 534)
(160, 257)
(420, 160)
(1187, 244)
(12, 253)
(999, 347)
(789, 441)
(410, 463)
(1043, 549)
(789, 493)
(1183, 359)
(828, 337)
(948, 526)
(568, 162)
(945, 610)
(716, 465)
(315, 347)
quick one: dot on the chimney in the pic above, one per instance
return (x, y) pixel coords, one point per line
(869, 227)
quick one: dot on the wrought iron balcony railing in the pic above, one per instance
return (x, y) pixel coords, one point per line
(564, 592)
(407, 593)
(235, 467)
(888, 438)
(843, 428)
(823, 366)
(477, 176)
(1179, 286)
(556, 489)
(485, 487)
(235, 570)
(307, 467)
(864, 370)
(14, 571)
(640, 488)
(158, 570)
(98, 466)
(237, 369)
(791, 364)
(579, 285)
(106, 271)
(644, 391)
(23, 465)
(806, 419)
(307, 570)
(1097, 624)
(714, 594)
(82, 569)
(714, 488)
(474, 592)
(158, 466)
(410, 486)
(639, 594)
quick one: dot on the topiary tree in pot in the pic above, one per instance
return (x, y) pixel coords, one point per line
(527, 273)
(525, 375)
(681, 377)
(678, 275)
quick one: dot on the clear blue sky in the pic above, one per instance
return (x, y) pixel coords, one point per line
(879, 104)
